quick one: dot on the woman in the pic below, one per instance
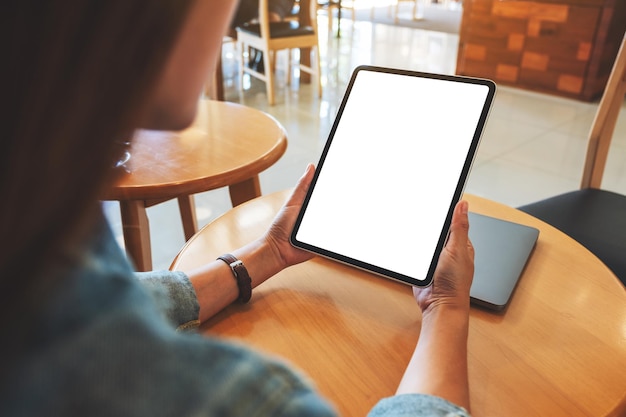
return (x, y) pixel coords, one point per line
(84, 335)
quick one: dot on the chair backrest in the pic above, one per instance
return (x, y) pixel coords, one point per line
(604, 123)
(307, 15)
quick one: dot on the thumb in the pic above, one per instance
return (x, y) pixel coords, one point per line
(298, 194)
(459, 228)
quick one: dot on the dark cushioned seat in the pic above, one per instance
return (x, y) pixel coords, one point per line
(279, 29)
(595, 218)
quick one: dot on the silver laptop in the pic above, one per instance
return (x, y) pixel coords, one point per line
(502, 249)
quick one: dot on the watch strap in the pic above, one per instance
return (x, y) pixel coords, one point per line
(244, 282)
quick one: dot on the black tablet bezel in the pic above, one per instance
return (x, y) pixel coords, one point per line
(456, 195)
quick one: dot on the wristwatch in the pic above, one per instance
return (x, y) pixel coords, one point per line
(244, 283)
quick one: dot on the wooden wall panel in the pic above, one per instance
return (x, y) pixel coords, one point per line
(565, 47)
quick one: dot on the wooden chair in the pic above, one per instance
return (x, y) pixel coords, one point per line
(271, 37)
(595, 217)
(333, 7)
(415, 13)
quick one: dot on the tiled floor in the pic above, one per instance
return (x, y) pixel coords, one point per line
(533, 146)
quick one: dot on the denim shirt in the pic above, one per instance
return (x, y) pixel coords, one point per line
(107, 344)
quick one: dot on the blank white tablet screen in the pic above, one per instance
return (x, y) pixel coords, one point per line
(388, 178)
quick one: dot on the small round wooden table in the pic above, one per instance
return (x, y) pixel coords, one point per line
(559, 349)
(228, 145)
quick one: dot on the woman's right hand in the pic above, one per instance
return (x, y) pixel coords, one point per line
(455, 269)
(280, 230)
(439, 363)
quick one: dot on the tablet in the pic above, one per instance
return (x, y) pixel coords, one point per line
(392, 170)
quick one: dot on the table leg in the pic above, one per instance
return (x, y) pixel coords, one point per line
(215, 90)
(305, 59)
(187, 207)
(339, 18)
(136, 231)
(305, 18)
(245, 190)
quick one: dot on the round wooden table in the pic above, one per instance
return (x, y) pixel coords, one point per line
(227, 145)
(559, 349)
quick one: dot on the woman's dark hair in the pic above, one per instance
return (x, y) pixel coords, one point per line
(76, 76)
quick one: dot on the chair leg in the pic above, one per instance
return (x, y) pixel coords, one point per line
(274, 55)
(318, 65)
(396, 19)
(330, 18)
(418, 9)
(318, 71)
(269, 76)
(289, 69)
(240, 47)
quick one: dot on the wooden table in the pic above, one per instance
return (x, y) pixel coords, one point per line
(228, 145)
(559, 349)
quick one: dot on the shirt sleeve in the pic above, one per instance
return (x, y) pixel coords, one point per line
(174, 295)
(416, 405)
